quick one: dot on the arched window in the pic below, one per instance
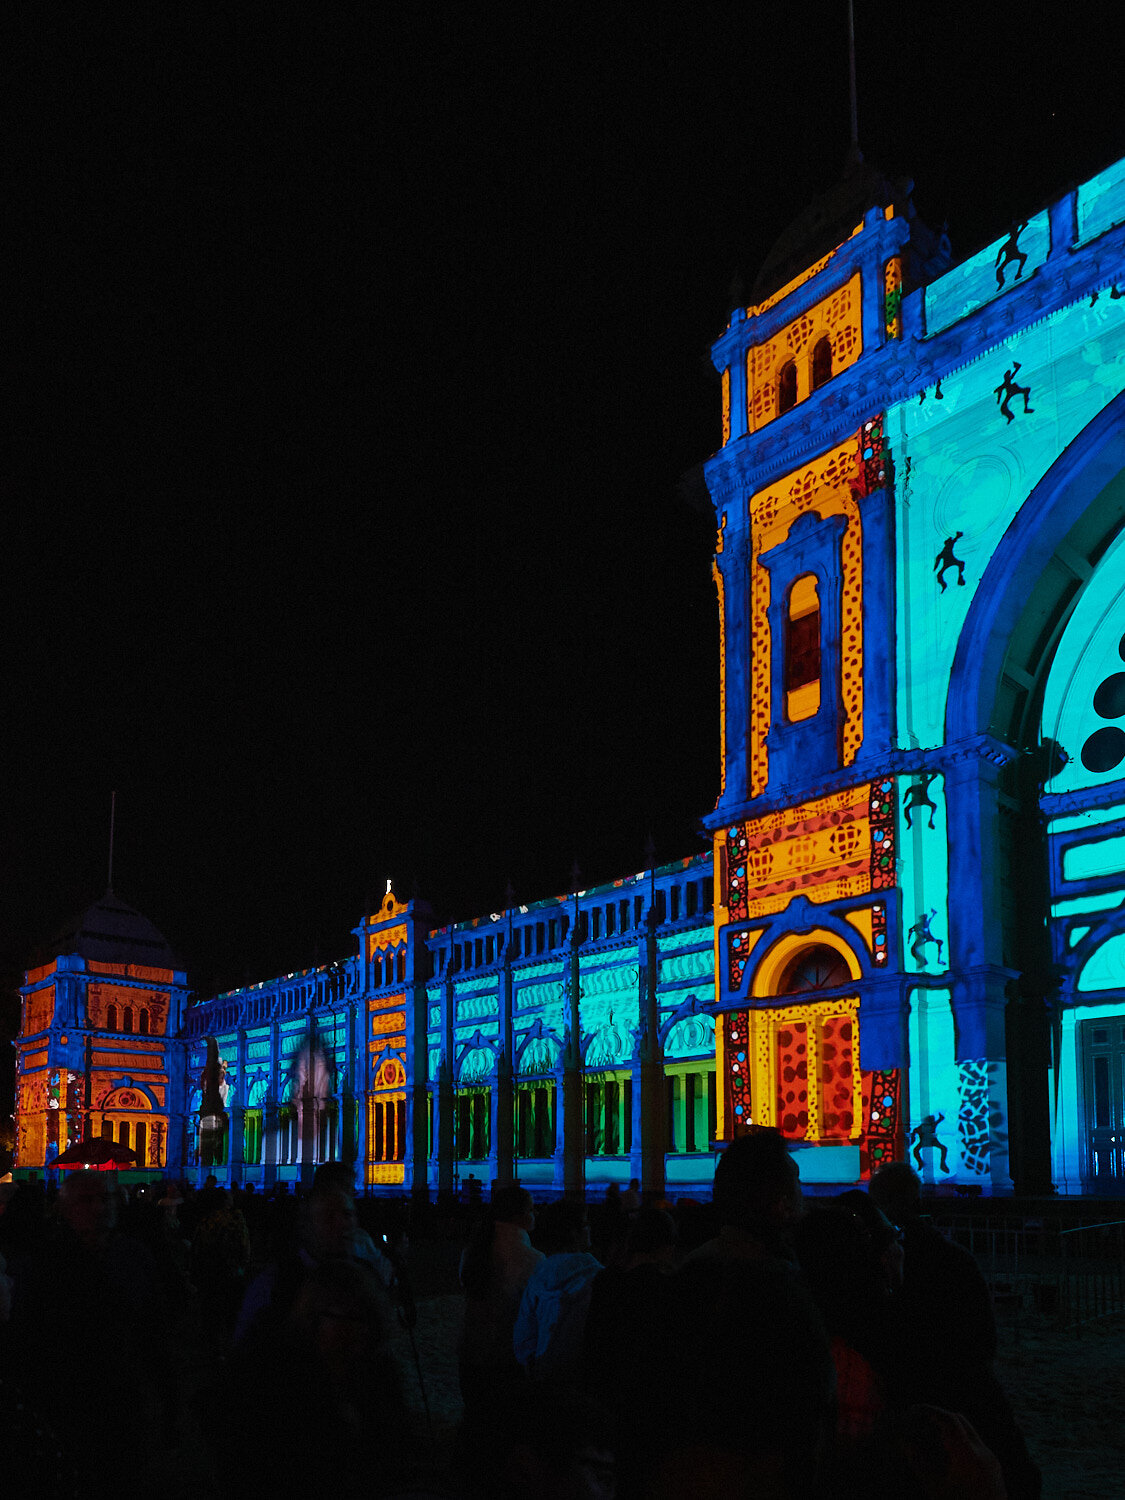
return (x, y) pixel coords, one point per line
(816, 968)
(378, 971)
(821, 363)
(787, 387)
(127, 1019)
(111, 1018)
(142, 1026)
(401, 965)
(802, 650)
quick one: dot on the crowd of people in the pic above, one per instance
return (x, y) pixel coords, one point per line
(759, 1346)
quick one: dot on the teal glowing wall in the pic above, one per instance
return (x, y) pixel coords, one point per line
(962, 467)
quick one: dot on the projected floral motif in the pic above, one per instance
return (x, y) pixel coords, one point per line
(739, 956)
(882, 809)
(881, 1115)
(879, 935)
(736, 1039)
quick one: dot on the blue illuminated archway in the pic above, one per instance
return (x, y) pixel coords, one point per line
(1010, 593)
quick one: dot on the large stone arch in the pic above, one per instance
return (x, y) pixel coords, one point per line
(1031, 583)
(998, 939)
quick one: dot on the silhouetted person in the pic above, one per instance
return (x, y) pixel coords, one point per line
(950, 1330)
(312, 1403)
(625, 1343)
(88, 1288)
(220, 1264)
(852, 1261)
(760, 1420)
(325, 1231)
(547, 1337)
(495, 1268)
(552, 1443)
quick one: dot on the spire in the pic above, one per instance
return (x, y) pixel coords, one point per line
(112, 812)
(855, 155)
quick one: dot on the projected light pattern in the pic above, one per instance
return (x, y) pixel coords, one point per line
(971, 471)
(920, 512)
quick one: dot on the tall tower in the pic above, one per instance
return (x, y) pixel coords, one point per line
(809, 1037)
(919, 834)
(96, 1051)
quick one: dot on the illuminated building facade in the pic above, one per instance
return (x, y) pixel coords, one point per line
(920, 833)
(909, 937)
(98, 1052)
(565, 1043)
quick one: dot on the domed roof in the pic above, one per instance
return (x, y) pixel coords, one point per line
(828, 221)
(111, 931)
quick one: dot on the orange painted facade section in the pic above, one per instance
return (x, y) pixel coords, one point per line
(821, 849)
(38, 1010)
(99, 997)
(823, 485)
(836, 317)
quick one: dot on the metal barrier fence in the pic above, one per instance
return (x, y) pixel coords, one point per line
(1076, 1273)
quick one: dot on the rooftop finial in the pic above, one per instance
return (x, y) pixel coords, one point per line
(855, 155)
(112, 812)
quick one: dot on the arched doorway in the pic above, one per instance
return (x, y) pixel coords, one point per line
(792, 1060)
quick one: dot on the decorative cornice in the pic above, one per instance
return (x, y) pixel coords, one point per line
(897, 762)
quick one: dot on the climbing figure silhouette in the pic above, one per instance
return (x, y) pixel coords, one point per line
(922, 934)
(1008, 389)
(925, 1138)
(918, 796)
(1010, 251)
(946, 560)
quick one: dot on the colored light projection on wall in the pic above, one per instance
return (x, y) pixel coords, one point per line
(882, 1119)
(1084, 700)
(965, 470)
(934, 1097)
(1008, 261)
(794, 1067)
(386, 1102)
(829, 849)
(923, 872)
(827, 486)
(892, 298)
(1101, 202)
(837, 319)
(1104, 970)
(958, 1110)
(756, 310)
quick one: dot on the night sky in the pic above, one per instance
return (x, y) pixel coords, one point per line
(358, 374)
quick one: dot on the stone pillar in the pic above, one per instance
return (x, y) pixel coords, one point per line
(650, 1128)
(502, 1162)
(978, 975)
(445, 1104)
(236, 1141)
(570, 1143)
(270, 1143)
(236, 1135)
